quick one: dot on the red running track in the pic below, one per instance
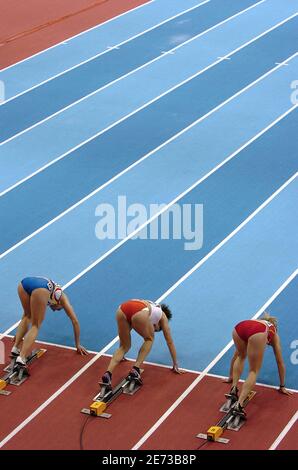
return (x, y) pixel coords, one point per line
(133, 416)
(290, 441)
(268, 414)
(48, 374)
(30, 26)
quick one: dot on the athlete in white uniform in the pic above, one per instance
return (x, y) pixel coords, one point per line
(146, 318)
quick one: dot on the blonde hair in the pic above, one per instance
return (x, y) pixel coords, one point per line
(269, 318)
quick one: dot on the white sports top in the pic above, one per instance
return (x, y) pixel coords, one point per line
(156, 313)
(271, 330)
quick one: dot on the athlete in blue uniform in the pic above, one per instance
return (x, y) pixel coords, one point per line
(36, 293)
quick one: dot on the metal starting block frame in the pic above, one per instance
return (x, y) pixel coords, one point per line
(222, 440)
(100, 403)
(11, 377)
(10, 365)
(215, 432)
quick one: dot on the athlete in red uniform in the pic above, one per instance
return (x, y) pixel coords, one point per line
(250, 338)
(145, 317)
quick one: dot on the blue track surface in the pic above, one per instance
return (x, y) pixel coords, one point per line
(86, 169)
(88, 44)
(211, 131)
(284, 308)
(73, 85)
(82, 121)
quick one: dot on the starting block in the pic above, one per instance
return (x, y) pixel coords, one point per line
(105, 397)
(229, 421)
(17, 377)
(10, 365)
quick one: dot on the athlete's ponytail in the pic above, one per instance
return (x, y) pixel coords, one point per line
(166, 311)
(269, 318)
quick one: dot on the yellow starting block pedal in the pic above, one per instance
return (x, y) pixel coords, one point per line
(229, 421)
(3, 384)
(40, 353)
(222, 440)
(101, 401)
(214, 433)
(14, 377)
(97, 408)
(87, 411)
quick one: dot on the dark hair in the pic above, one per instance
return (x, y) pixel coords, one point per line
(167, 311)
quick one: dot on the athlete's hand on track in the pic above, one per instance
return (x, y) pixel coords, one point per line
(81, 350)
(176, 369)
(284, 391)
(229, 380)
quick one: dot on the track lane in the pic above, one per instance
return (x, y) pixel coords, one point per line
(48, 373)
(26, 34)
(131, 415)
(66, 54)
(157, 120)
(200, 410)
(79, 122)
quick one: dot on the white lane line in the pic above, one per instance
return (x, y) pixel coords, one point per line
(98, 26)
(223, 242)
(231, 235)
(260, 384)
(62, 346)
(119, 244)
(106, 348)
(206, 370)
(198, 372)
(81, 201)
(144, 106)
(284, 432)
(117, 46)
(9, 330)
(155, 216)
(107, 85)
(156, 364)
(57, 393)
(163, 53)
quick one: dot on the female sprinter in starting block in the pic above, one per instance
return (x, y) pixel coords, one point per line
(36, 293)
(145, 317)
(250, 338)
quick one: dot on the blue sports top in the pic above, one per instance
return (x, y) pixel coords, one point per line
(31, 283)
